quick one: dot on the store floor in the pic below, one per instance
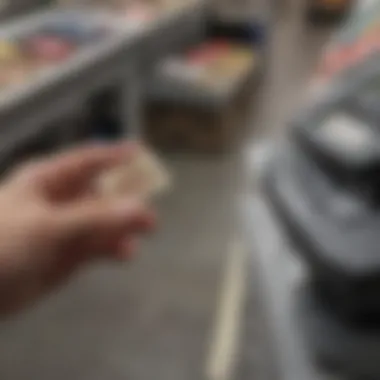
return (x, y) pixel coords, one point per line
(154, 318)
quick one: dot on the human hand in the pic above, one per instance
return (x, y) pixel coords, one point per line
(52, 222)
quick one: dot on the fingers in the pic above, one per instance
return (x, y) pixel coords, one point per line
(94, 229)
(106, 218)
(89, 160)
(69, 172)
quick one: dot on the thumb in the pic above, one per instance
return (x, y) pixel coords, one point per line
(100, 216)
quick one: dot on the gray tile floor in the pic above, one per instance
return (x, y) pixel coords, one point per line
(153, 319)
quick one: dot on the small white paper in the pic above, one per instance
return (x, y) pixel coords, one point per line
(143, 177)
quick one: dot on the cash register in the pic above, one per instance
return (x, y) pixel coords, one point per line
(324, 187)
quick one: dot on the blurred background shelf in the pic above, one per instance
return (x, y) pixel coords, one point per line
(121, 64)
(58, 85)
(201, 101)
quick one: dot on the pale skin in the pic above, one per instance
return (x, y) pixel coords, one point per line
(53, 223)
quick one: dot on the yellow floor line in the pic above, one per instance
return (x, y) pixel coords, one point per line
(221, 362)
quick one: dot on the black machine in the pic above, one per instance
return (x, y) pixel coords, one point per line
(325, 188)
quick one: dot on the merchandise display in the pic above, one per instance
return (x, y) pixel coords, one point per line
(47, 43)
(68, 55)
(78, 31)
(132, 11)
(64, 34)
(214, 67)
(14, 65)
(199, 101)
(49, 49)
